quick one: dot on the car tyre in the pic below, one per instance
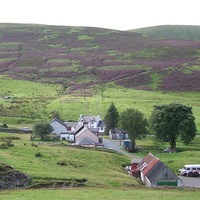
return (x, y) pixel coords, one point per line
(196, 174)
(190, 174)
(185, 174)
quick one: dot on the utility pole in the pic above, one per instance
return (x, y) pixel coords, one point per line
(120, 138)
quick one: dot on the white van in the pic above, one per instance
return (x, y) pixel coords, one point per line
(190, 170)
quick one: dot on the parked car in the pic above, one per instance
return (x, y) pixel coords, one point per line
(167, 150)
(190, 170)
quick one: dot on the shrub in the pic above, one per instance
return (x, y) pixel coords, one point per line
(34, 145)
(5, 126)
(9, 143)
(62, 162)
(3, 146)
(38, 154)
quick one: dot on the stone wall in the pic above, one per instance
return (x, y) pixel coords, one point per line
(11, 179)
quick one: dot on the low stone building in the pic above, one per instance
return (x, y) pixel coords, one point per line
(153, 172)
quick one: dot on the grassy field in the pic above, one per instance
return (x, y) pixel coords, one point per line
(31, 102)
(123, 98)
(24, 102)
(99, 194)
(102, 170)
(59, 163)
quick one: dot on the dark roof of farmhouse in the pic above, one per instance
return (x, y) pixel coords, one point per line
(59, 121)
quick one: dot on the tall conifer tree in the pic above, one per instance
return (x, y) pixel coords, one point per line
(112, 117)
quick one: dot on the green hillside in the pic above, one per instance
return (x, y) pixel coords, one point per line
(48, 70)
(59, 171)
(60, 163)
(73, 70)
(31, 102)
(80, 57)
(177, 32)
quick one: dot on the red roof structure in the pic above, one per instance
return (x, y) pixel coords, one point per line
(153, 173)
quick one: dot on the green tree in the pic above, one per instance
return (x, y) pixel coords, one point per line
(134, 122)
(168, 122)
(111, 118)
(42, 130)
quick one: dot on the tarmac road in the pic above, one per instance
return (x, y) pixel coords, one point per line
(115, 145)
(193, 182)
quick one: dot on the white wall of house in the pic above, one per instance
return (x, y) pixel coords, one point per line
(148, 183)
(92, 124)
(101, 129)
(142, 177)
(180, 183)
(58, 128)
(67, 136)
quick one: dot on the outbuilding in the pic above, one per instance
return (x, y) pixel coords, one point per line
(58, 126)
(85, 137)
(153, 173)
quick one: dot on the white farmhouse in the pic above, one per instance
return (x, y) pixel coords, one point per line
(94, 123)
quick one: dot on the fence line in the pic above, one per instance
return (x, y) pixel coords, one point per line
(8, 130)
